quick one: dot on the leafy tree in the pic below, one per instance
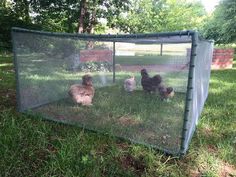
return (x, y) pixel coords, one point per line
(8, 19)
(221, 26)
(77, 16)
(162, 15)
(3, 3)
(59, 15)
(22, 9)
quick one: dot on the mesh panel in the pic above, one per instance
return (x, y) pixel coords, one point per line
(201, 79)
(172, 65)
(49, 64)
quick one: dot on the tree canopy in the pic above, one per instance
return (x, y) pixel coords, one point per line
(132, 16)
(10, 16)
(77, 16)
(59, 15)
(162, 15)
(221, 26)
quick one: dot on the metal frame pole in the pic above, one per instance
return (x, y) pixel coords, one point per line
(106, 37)
(114, 62)
(161, 49)
(16, 68)
(189, 94)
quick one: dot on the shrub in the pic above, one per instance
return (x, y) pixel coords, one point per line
(92, 66)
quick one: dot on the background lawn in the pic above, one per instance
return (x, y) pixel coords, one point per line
(31, 146)
(150, 60)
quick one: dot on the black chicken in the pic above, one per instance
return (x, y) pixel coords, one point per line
(150, 84)
(154, 84)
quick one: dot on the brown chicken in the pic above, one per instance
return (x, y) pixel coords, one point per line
(165, 92)
(83, 93)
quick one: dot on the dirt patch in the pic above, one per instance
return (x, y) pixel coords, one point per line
(125, 121)
(123, 146)
(227, 170)
(51, 148)
(212, 148)
(207, 131)
(129, 162)
(8, 98)
(103, 149)
(195, 173)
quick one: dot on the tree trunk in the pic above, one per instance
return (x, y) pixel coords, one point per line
(92, 22)
(90, 28)
(83, 9)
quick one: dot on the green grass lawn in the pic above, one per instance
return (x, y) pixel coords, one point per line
(150, 59)
(141, 117)
(138, 116)
(31, 146)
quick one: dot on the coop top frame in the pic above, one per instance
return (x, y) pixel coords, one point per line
(149, 38)
(188, 36)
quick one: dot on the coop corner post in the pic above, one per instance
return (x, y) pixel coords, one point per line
(189, 94)
(114, 62)
(18, 102)
(161, 49)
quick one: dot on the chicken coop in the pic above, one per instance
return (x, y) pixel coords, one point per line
(48, 63)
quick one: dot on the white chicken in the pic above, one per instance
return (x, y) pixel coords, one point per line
(130, 84)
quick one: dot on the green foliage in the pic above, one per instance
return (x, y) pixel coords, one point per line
(162, 15)
(64, 15)
(221, 25)
(58, 16)
(8, 19)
